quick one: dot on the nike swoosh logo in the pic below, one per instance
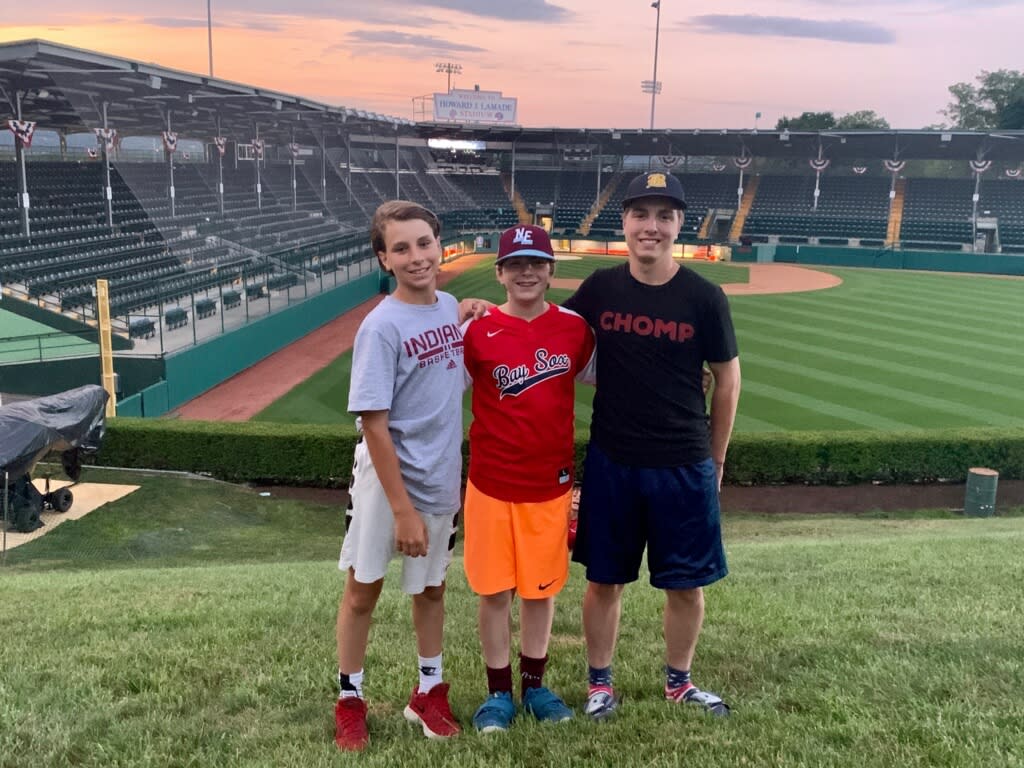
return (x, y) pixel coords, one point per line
(542, 587)
(492, 334)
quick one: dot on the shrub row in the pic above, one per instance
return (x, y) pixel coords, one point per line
(309, 455)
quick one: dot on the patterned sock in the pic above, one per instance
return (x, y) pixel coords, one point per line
(350, 685)
(430, 672)
(499, 680)
(676, 678)
(600, 677)
(531, 672)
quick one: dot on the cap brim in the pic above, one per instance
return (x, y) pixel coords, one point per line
(528, 252)
(680, 204)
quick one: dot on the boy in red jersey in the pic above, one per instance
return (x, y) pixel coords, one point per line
(523, 359)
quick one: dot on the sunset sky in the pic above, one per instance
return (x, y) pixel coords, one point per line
(569, 62)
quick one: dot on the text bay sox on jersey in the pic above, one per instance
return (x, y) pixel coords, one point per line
(545, 365)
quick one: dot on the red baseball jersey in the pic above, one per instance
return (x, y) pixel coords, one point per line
(523, 374)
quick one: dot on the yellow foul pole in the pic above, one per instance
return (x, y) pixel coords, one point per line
(106, 349)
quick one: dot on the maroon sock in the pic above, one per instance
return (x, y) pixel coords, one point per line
(499, 680)
(531, 672)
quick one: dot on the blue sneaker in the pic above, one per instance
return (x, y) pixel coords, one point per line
(545, 706)
(496, 713)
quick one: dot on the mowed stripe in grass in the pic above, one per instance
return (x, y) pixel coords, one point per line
(885, 350)
(874, 344)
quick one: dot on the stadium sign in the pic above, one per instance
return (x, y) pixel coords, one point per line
(464, 106)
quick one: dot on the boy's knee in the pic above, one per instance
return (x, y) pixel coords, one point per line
(360, 599)
(432, 594)
(686, 597)
(605, 592)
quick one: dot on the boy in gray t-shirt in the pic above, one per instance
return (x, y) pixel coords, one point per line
(407, 381)
(402, 352)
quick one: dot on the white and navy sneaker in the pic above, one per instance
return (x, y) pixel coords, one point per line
(691, 694)
(601, 703)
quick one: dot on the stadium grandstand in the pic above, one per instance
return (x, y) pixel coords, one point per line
(211, 206)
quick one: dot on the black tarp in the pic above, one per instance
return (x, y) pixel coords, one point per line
(31, 429)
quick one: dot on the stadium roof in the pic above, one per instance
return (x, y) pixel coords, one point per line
(65, 88)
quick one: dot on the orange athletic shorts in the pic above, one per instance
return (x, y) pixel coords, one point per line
(516, 546)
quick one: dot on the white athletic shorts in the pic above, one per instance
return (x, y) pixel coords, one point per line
(369, 544)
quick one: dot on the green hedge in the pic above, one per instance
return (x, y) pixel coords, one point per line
(248, 451)
(288, 454)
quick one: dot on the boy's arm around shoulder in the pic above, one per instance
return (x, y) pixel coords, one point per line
(473, 309)
(587, 369)
(410, 530)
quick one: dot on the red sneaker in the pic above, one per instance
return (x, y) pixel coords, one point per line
(350, 732)
(431, 710)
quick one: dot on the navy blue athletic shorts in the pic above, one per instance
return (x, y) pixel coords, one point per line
(671, 511)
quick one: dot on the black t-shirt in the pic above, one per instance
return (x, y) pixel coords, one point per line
(652, 341)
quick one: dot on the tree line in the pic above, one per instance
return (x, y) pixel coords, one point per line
(994, 101)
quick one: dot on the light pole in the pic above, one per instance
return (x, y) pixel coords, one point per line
(655, 86)
(447, 67)
(209, 33)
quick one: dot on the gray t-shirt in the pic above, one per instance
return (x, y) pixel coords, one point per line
(407, 360)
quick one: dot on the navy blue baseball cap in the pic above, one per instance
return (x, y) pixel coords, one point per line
(655, 184)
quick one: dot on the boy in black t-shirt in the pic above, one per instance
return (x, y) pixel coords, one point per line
(654, 465)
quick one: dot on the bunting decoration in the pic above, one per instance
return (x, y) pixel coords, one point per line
(1013, 173)
(23, 131)
(717, 166)
(742, 163)
(980, 166)
(222, 144)
(894, 166)
(819, 164)
(92, 153)
(294, 148)
(106, 137)
(670, 161)
(257, 148)
(186, 156)
(170, 140)
(860, 170)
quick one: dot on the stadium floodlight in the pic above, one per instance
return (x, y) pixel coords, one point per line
(655, 85)
(449, 68)
(209, 34)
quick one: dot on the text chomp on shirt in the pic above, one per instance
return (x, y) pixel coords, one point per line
(649, 408)
(523, 374)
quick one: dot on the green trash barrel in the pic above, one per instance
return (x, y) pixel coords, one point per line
(981, 492)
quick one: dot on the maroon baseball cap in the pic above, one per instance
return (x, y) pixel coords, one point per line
(525, 240)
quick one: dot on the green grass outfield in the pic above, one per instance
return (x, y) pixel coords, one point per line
(23, 340)
(885, 350)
